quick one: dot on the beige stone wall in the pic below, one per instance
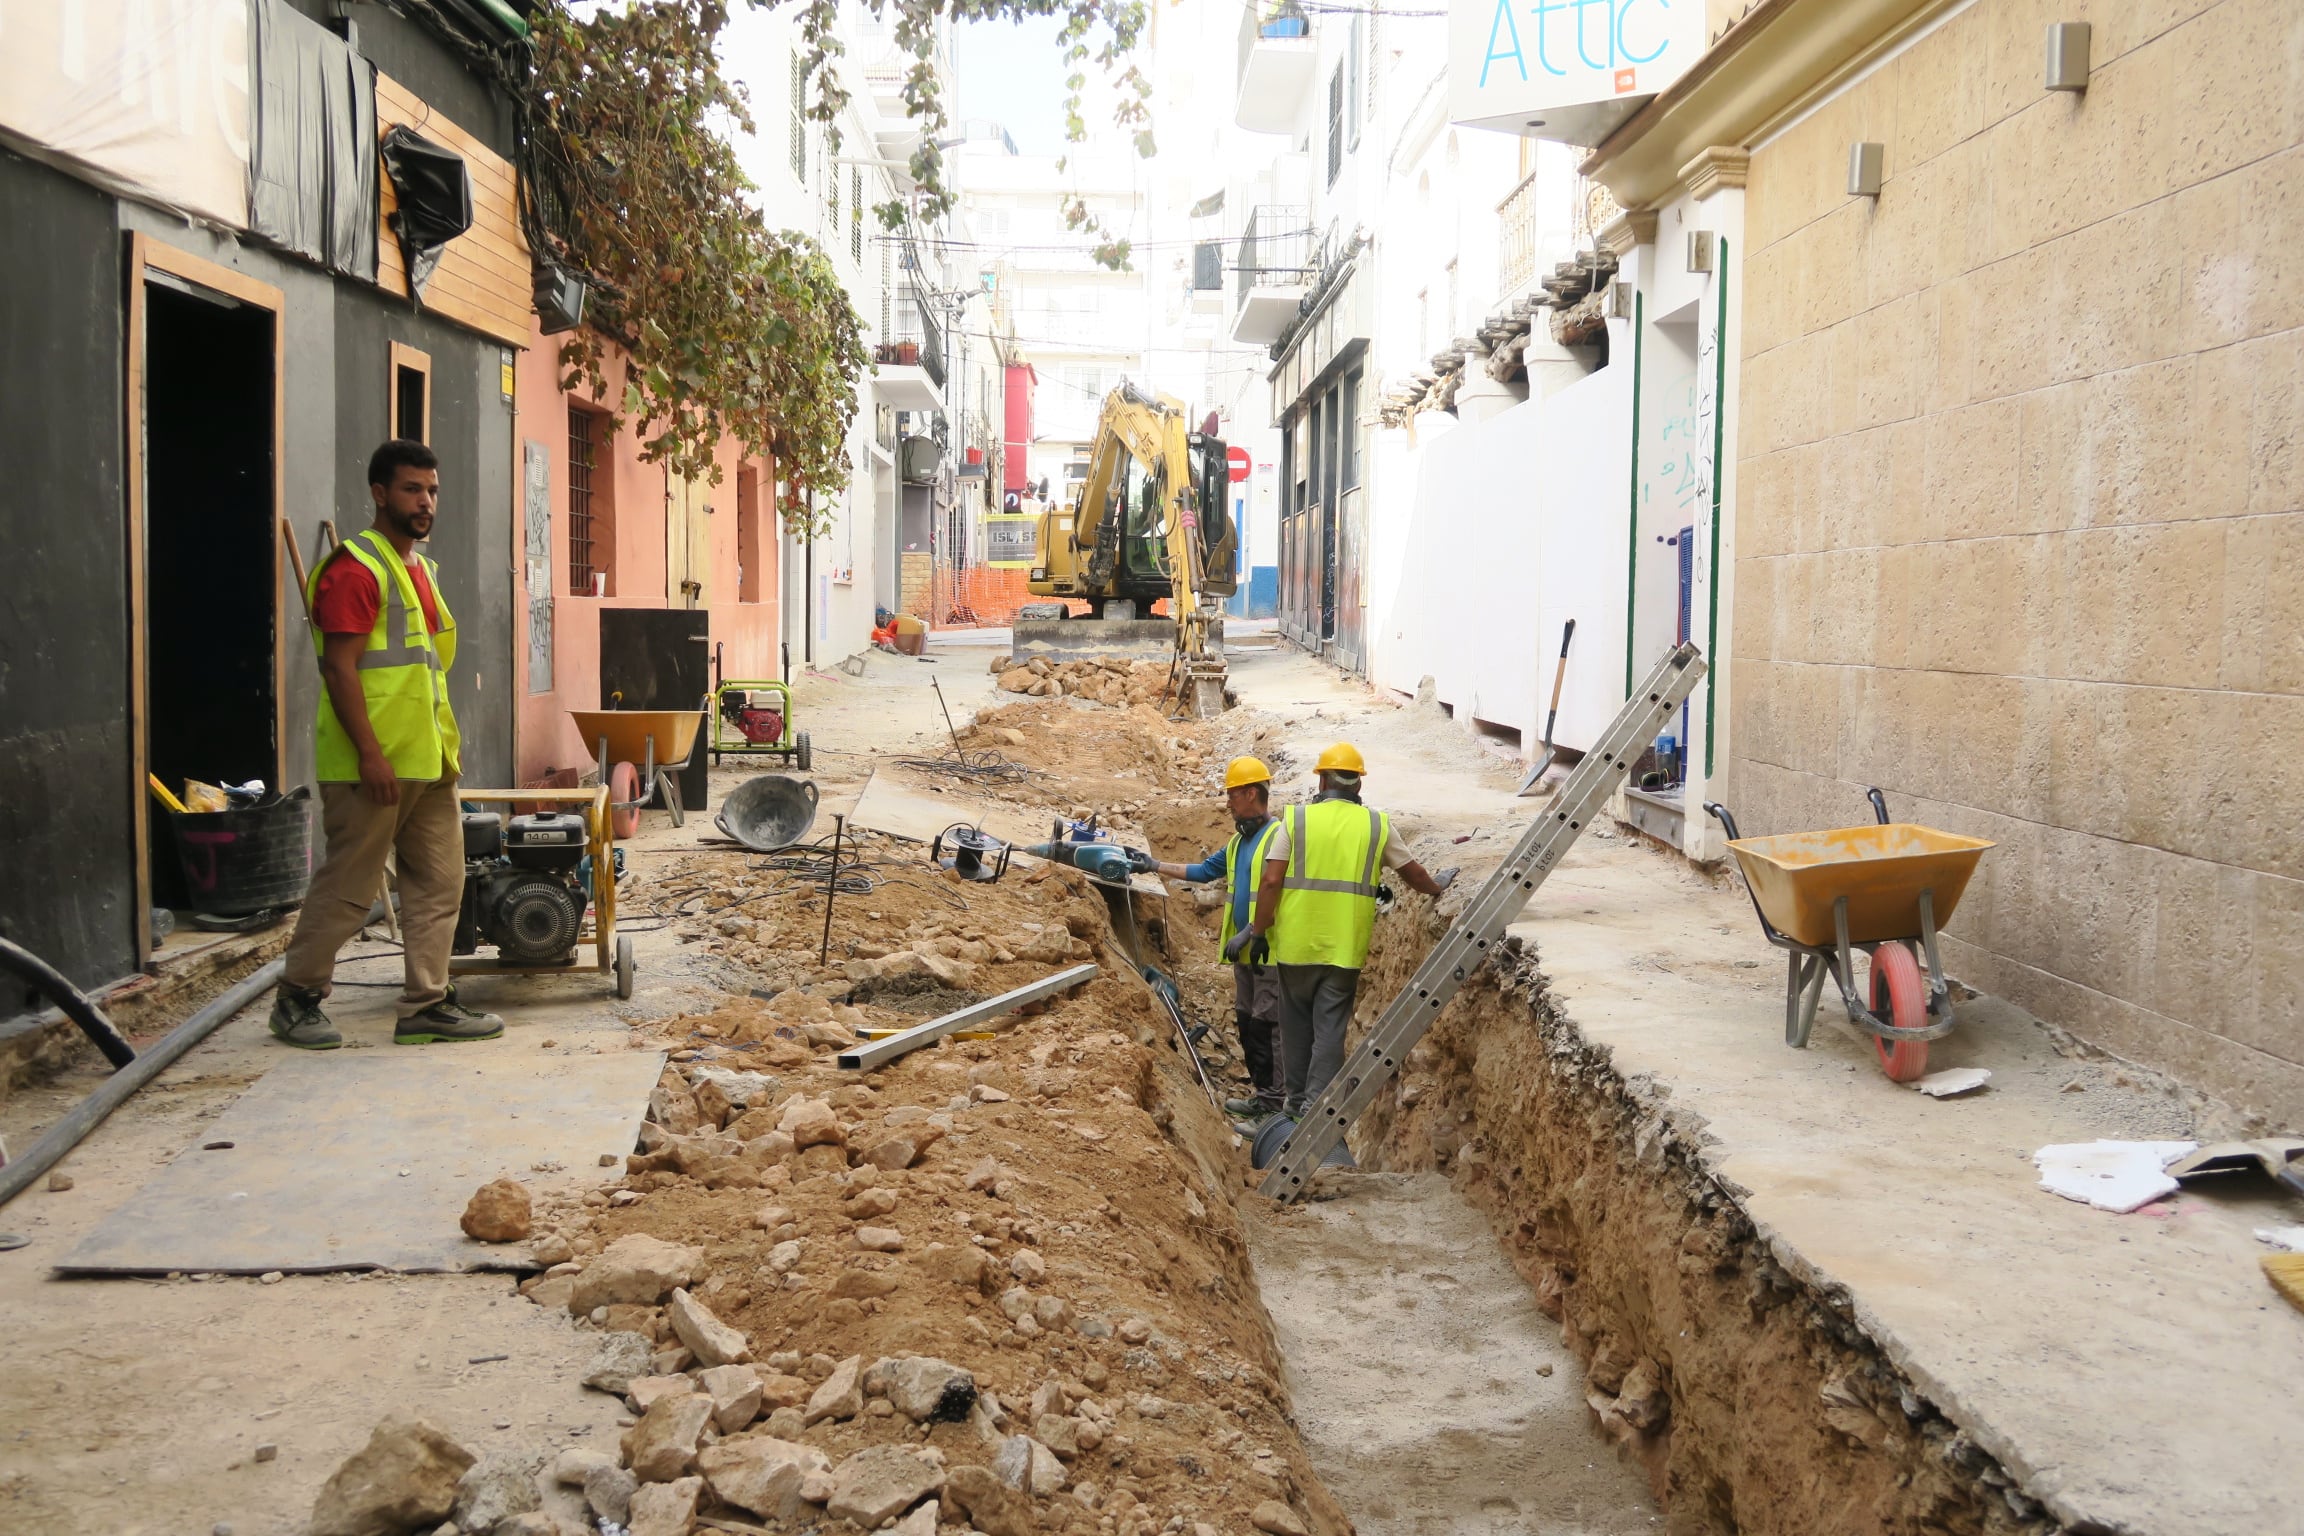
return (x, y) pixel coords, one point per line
(912, 592)
(2020, 528)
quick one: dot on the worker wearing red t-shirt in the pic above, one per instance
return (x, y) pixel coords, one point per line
(387, 761)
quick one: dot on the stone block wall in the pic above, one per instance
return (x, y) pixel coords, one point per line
(2020, 527)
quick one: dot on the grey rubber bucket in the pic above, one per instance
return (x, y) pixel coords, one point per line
(770, 812)
(1273, 1134)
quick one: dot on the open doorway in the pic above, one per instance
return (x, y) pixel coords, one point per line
(205, 519)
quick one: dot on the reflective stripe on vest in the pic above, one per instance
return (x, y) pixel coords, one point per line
(1326, 916)
(1237, 859)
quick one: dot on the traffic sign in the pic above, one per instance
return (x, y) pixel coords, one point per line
(1238, 459)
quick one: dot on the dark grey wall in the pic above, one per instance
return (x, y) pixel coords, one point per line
(416, 58)
(67, 858)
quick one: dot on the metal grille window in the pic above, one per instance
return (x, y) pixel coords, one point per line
(583, 452)
(799, 119)
(1335, 124)
(856, 217)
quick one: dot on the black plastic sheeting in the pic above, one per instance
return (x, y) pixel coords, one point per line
(311, 142)
(435, 191)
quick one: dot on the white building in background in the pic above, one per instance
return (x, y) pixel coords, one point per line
(1080, 325)
(833, 584)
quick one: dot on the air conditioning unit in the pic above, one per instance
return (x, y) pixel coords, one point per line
(921, 458)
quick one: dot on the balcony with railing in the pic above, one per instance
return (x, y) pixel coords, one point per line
(910, 376)
(1516, 238)
(1273, 271)
(1278, 56)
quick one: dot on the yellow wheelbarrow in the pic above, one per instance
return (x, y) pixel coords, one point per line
(1884, 889)
(633, 745)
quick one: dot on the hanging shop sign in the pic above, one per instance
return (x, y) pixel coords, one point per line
(1570, 70)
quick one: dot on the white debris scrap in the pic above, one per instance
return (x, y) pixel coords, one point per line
(2111, 1175)
(2287, 1239)
(1952, 1080)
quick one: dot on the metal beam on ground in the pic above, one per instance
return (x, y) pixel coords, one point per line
(1466, 944)
(881, 1052)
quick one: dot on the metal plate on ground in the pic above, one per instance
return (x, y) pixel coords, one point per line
(359, 1160)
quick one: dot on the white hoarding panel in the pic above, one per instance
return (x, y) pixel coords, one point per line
(1565, 69)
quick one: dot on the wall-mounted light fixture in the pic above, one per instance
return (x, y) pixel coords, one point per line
(1619, 300)
(1867, 164)
(1700, 244)
(2068, 56)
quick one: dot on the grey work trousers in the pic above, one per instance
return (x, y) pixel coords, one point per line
(1315, 1008)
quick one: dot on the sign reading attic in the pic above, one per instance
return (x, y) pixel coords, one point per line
(1565, 69)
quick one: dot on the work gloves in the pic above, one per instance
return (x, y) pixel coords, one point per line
(1445, 878)
(1248, 947)
(1140, 862)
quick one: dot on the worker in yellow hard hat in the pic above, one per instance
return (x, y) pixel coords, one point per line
(1316, 911)
(1255, 984)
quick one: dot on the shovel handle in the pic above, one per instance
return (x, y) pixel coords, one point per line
(1560, 674)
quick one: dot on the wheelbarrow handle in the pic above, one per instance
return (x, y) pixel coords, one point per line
(1716, 809)
(1879, 805)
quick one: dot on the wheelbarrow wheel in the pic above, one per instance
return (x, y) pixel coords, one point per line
(623, 786)
(624, 965)
(803, 754)
(1896, 988)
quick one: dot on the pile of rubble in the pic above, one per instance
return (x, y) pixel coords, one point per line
(1109, 680)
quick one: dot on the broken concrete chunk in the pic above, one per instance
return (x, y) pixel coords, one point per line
(673, 1107)
(665, 1509)
(923, 1388)
(810, 1123)
(662, 1446)
(761, 1474)
(608, 1493)
(499, 1212)
(990, 1505)
(621, 1357)
(714, 1342)
(736, 1395)
(638, 1269)
(403, 1479)
(879, 1483)
(1024, 1463)
(494, 1489)
(841, 1396)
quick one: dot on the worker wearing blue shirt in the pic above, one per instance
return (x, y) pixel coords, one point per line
(1255, 984)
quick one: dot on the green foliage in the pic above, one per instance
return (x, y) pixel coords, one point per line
(729, 330)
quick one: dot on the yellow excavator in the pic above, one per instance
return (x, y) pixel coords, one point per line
(1149, 524)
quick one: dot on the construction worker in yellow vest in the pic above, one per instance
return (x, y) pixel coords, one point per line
(1240, 867)
(1315, 912)
(387, 762)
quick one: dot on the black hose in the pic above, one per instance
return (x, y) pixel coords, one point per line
(66, 1133)
(77, 1005)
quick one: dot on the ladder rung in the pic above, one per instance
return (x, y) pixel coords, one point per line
(1464, 947)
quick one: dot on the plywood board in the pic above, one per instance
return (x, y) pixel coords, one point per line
(365, 1160)
(920, 814)
(483, 278)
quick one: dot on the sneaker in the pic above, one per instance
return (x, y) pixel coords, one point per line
(1246, 1109)
(447, 1020)
(298, 1021)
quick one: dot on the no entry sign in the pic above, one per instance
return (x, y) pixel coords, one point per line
(1238, 459)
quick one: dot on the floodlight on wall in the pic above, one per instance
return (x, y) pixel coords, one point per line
(2068, 56)
(1867, 165)
(1700, 247)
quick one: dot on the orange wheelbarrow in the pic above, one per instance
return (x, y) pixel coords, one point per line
(1884, 889)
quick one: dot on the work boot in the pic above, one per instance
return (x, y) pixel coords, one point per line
(1247, 1109)
(298, 1021)
(446, 1020)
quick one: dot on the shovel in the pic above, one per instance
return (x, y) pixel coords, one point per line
(1559, 676)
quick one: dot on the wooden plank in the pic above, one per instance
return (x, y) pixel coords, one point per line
(483, 280)
(880, 1052)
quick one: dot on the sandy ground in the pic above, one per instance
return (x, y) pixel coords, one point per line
(1434, 1396)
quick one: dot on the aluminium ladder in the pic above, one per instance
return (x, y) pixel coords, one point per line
(1466, 944)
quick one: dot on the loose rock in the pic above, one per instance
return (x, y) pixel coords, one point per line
(735, 1392)
(494, 1489)
(989, 1504)
(842, 1394)
(403, 1479)
(1024, 1463)
(499, 1212)
(714, 1342)
(1278, 1519)
(620, 1358)
(762, 1474)
(608, 1493)
(810, 1123)
(576, 1463)
(923, 1388)
(879, 1239)
(662, 1446)
(665, 1509)
(879, 1482)
(635, 1268)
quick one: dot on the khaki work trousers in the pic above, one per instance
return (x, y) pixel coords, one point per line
(426, 828)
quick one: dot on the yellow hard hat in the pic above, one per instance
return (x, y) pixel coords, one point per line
(1246, 770)
(1343, 757)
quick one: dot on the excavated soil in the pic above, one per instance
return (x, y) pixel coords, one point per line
(1073, 1159)
(1752, 1399)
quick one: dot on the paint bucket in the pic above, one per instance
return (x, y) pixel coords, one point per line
(769, 813)
(1273, 1134)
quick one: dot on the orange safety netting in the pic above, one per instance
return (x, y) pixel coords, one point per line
(982, 595)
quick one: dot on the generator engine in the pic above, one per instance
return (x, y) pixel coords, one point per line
(757, 714)
(521, 891)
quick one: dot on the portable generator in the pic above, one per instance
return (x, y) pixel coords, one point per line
(523, 890)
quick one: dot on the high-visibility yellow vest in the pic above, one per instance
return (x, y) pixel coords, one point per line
(1328, 895)
(1245, 867)
(403, 673)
